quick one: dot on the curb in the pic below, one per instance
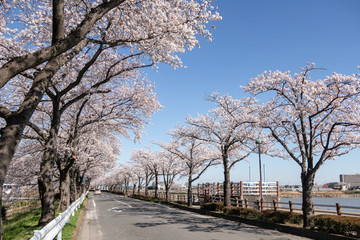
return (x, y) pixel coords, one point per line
(80, 221)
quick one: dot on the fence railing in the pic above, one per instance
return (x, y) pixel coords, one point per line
(268, 188)
(336, 208)
(240, 189)
(54, 228)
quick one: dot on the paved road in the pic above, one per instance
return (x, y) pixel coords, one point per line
(110, 216)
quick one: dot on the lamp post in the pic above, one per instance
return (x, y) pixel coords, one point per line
(259, 142)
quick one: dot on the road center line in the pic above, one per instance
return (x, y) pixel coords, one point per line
(123, 203)
(94, 203)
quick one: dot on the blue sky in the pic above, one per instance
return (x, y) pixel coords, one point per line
(255, 36)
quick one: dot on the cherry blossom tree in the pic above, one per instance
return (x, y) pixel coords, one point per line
(49, 34)
(125, 105)
(150, 162)
(96, 152)
(195, 157)
(126, 172)
(24, 168)
(95, 165)
(139, 175)
(125, 110)
(229, 128)
(312, 121)
(154, 164)
(169, 168)
(75, 85)
(142, 158)
(118, 179)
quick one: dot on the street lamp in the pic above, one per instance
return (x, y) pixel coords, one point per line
(259, 142)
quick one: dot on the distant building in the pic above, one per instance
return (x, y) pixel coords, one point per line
(161, 185)
(178, 187)
(174, 186)
(353, 180)
(296, 188)
(338, 185)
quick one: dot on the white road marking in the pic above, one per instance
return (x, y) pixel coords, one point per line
(92, 212)
(123, 203)
(115, 209)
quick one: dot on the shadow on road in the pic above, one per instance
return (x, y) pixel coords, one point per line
(157, 215)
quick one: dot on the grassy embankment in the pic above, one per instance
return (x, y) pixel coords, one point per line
(22, 225)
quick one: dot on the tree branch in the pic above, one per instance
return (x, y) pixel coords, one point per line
(58, 26)
(285, 146)
(4, 112)
(238, 160)
(37, 130)
(82, 72)
(31, 60)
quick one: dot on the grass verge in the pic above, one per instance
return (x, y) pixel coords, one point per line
(68, 229)
(22, 225)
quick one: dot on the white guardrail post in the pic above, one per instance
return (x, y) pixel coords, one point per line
(54, 228)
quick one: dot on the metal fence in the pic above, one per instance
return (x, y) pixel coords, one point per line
(54, 228)
(337, 208)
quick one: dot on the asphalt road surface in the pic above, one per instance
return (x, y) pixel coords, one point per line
(110, 216)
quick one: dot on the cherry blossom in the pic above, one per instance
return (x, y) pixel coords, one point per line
(230, 128)
(311, 120)
(39, 38)
(194, 157)
(141, 159)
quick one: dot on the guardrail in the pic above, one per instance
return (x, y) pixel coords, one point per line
(54, 228)
(336, 209)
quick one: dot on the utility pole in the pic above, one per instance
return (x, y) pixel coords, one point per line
(258, 142)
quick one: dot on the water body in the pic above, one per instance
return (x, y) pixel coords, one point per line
(353, 202)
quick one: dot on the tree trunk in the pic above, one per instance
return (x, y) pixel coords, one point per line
(73, 190)
(10, 138)
(147, 181)
(167, 193)
(64, 190)
(46, 189)
(226, 187)
(139, 186)
(189, 192)
(16, 122)
(87, 184)
(156, 186)
(79, 184)
(1, 223)
(307, 180)
(146, 190)
(64, 168)
(134, 189)
(126, 188)
(11, 134)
